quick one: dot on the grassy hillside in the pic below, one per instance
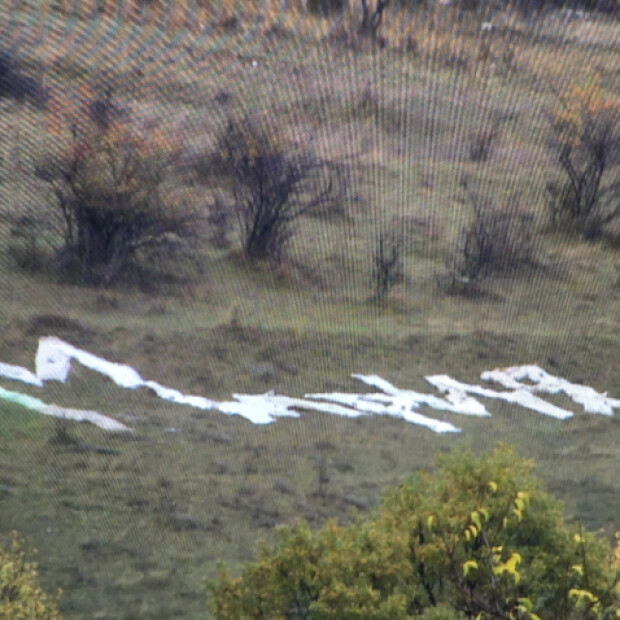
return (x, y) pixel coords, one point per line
(132, 526)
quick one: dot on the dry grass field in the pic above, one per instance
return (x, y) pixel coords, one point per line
(133, 526)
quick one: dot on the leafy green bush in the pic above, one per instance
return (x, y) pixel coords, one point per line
(21, 595)
(478, 537)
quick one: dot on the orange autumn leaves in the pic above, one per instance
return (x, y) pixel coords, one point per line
(91, 125)
(585, 109)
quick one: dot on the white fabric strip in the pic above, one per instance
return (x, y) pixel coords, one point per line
(591, 400)
(54, 357)
(519, 397)
(34, 404)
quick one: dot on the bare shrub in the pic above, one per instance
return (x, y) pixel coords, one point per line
(219, 219)
(388, 262)
(109, 194)
(497, 241)
(481, 143)
(585, 139)
(272, 186)
(372, 20)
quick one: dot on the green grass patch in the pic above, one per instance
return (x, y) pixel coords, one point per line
(18, 422)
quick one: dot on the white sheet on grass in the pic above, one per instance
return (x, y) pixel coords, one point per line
(80, 415)
(17, 373)
(591, 400)
(53, 363)
(402, 404)
(456, 401)
(518, 397)
(54, 358)
(353, 405)
(265, 408)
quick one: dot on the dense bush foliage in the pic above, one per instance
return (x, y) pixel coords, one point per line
(109, 191)
(478, 538)
(14, 83)
(21, 595)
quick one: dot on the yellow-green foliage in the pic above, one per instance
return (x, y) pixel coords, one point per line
(21, 595)
(478, 537)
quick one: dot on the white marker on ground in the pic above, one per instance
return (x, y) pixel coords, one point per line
(519, 397)
(79, 415)
(591, 400)
(54, 357)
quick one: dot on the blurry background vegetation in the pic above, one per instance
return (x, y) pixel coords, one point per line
(464, 165)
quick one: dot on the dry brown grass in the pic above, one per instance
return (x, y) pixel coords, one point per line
(440, 37)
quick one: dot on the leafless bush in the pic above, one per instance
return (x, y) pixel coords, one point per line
(372, 20)
(272, 186)
(219, 221)
(583, 206)
(388, 262)
(585, 139)
(481, 143)
(496, 241)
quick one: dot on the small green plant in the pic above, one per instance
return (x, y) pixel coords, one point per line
(21, 595)
(478, 538)
(322, 474)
